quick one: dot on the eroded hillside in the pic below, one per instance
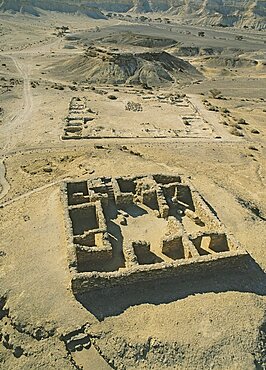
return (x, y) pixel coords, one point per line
(249, 13)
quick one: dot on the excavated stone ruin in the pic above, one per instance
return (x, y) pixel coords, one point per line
(128, 229)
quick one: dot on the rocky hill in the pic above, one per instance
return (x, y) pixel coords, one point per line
(101, 66)
(250, 13)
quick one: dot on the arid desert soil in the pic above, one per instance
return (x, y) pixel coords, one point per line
(161, 99)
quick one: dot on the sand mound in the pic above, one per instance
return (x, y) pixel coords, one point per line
(130, 38)
(152, 69)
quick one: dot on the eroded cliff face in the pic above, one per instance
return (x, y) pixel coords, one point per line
(224, 12)
(229, 12)
(33, 7)
(250, 13)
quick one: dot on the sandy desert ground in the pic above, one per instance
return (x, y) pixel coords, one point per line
(195, 106)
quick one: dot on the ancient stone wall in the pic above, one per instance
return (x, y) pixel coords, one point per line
(192, 269)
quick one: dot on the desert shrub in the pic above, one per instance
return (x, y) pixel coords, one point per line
(242, 121)
(213, 108)
(135, 107)
(215, 93)
(225, 110)
(234, 131)
(251, 147)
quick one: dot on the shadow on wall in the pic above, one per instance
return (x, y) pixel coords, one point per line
(112, 302)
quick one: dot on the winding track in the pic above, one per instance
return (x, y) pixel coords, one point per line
(15, 128)
(22, 61)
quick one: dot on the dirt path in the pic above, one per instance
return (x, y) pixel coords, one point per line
(15, 127)
(27, 96)
(25, 195)
(18, 125)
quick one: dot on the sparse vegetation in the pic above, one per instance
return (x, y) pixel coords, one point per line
(252, 147)
(201, 34)
(213, 108)
(112, 97)
(134, 107)
(242, 121)
(225, 110)
(234, 131)
(215, 93)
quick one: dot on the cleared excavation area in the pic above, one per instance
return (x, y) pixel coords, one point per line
(132, 113)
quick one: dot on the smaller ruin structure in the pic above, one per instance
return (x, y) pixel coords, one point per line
(129, 229)
(185, 119)
(78, 117)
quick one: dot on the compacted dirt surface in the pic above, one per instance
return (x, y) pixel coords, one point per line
(83, 98)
